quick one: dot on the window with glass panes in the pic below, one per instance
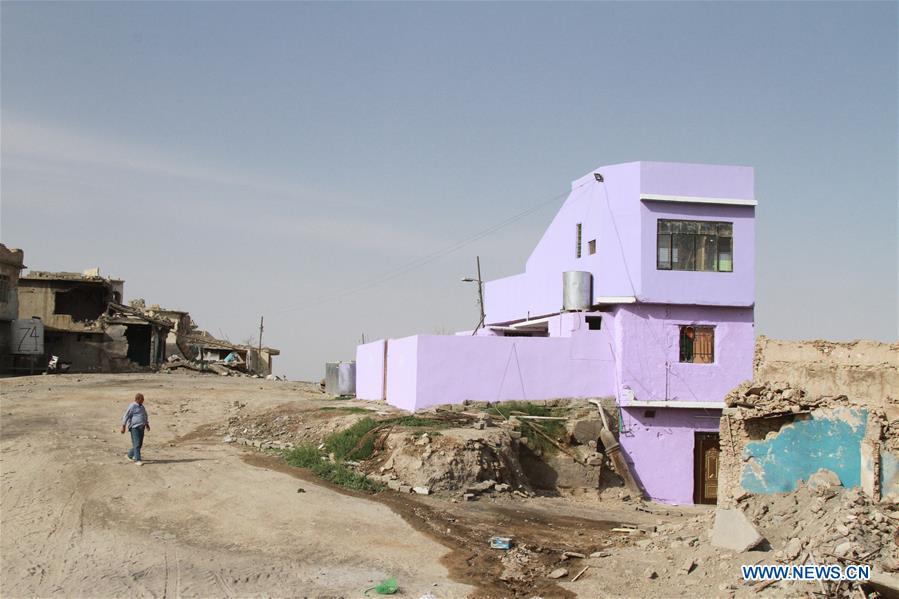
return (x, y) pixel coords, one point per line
(695, 245)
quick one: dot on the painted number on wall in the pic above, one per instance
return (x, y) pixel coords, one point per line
(29, 341)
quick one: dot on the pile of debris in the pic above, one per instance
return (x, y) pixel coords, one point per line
(778, 399)
(231, 365)
(820, 522)
(463, 462)
(283, 428)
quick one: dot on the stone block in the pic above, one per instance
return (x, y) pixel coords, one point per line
(733, 530)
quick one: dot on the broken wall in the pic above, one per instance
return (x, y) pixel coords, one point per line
(829, 439)
(66, 305)
(775, 437)
(866, 372)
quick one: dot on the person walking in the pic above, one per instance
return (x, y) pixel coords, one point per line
(137, 422)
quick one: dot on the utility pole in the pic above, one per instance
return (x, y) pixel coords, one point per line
(480, 283)
(260, 335)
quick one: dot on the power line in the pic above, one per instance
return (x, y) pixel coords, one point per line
(421, 260)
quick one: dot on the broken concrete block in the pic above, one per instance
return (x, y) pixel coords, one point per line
(468, 496)
(422, 490)
(502, 488)
(405, 489)
(558, 573)
(601, 554)
(733, 530)
(393, 485)
(481, 487)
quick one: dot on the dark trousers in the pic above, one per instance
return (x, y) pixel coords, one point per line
(137, 441)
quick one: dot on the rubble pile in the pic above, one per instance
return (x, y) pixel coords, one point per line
(777, 399)
(282, 429)
(822, 522)
(233, 367)
(465, 462)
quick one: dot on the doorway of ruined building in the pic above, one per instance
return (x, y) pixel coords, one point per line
(706, 449)
(138, 337)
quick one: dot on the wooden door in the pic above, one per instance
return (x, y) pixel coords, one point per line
(705, 471)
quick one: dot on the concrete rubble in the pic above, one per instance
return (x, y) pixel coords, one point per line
(733, 530)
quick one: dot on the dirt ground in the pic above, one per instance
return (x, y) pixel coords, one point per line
(203, 518)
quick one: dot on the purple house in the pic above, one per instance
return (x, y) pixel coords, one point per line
(656, 262)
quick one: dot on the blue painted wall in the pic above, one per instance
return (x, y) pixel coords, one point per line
(802, 448)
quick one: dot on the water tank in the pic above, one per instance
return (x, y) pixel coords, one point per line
(27, 337)
(331, 375)
(577, 290)
(340, 378)
(346, 378)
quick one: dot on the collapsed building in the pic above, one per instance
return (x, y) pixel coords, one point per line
(813, 406)
(86, 325)
(187, 345)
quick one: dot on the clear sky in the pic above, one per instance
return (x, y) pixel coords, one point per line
(297, 159)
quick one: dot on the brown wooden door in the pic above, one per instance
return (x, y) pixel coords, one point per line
(705, 471)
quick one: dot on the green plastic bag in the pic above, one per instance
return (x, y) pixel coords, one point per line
(385, 587)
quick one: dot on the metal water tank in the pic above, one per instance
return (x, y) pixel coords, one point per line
(340, 378)
(27, 337)
(577, 290)
(346, 378)
(331, 377)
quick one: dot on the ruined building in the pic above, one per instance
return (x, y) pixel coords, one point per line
(86, 324)
(11, 264)
(187, 342)
(641, 289)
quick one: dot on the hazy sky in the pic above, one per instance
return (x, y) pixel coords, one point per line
(239, 159)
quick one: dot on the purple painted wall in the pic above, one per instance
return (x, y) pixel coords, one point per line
(402, 372)
(453, 369)
(624, 227)
(697, 180)
(735, 288)
(370, 370)
(428, 370)
(660, 449)
(648, 349)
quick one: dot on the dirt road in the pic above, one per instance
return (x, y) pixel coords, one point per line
(204, 518)
(78, 519)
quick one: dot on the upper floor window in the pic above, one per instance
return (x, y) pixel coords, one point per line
(578, 236)
(695, 245)
(4, 289)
